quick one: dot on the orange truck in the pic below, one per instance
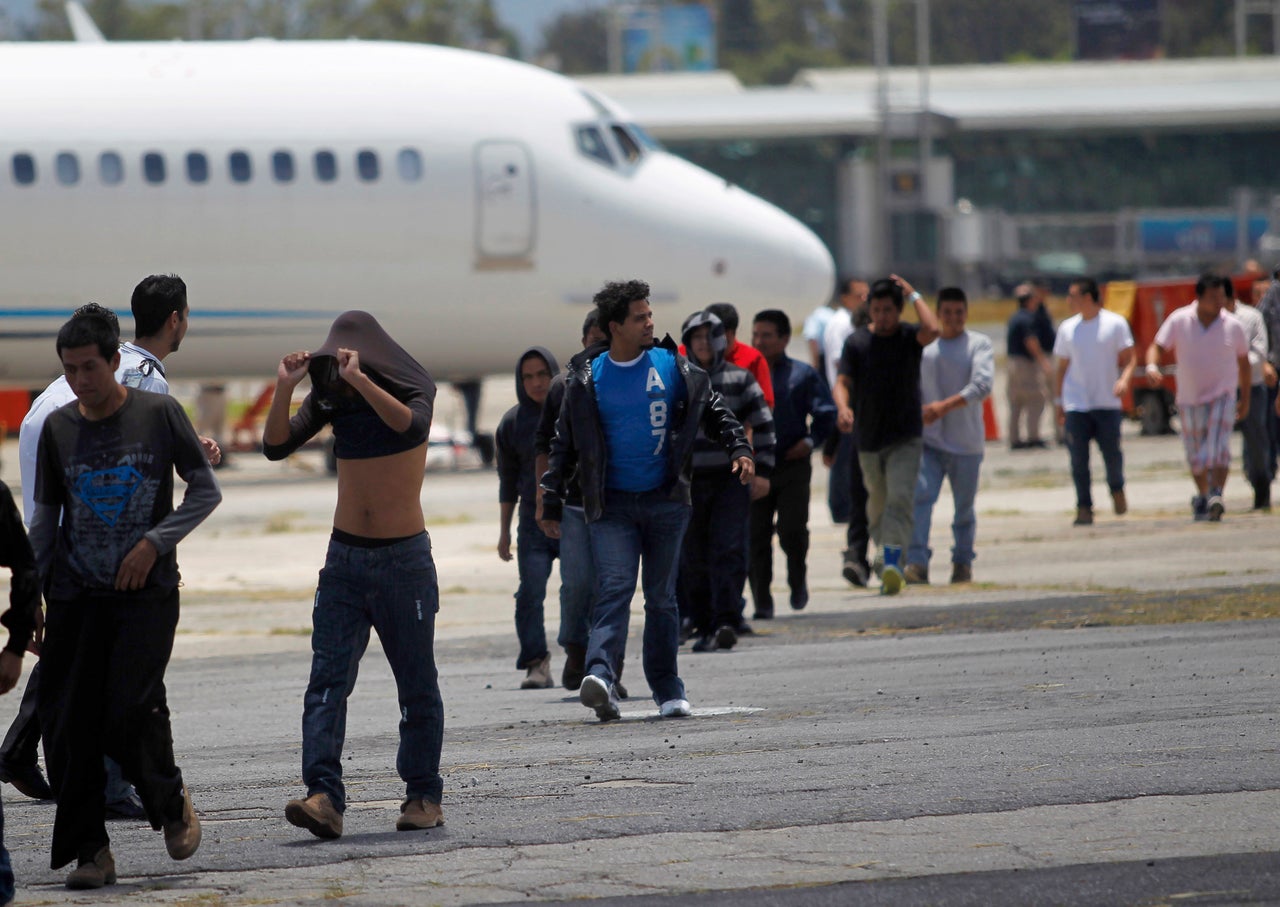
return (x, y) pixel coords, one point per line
(1146, 304)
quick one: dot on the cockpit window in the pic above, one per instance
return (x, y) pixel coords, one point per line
(591, 142)
(643, 137)
(631, 149)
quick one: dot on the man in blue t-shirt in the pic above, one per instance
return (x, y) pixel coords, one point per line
(627, 424)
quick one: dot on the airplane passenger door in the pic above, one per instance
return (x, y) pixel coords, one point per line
(505, 202)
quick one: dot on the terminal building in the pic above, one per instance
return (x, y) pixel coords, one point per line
(993, 172)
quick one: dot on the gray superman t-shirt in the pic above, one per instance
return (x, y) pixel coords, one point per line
(112, 479)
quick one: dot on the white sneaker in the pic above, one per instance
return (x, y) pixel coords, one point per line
(675, 708)
(595, 693)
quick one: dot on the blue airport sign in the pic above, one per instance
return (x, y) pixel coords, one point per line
(1195, 234)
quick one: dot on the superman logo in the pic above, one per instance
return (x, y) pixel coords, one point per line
(107, 491)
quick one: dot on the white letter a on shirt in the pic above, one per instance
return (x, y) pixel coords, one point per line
(654, 381)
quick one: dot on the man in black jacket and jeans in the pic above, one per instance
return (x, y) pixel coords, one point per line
(628, 423)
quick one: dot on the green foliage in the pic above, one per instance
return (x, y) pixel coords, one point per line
(579, 42)
(762, 41)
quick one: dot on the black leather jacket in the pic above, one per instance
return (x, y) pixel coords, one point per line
(579, 442)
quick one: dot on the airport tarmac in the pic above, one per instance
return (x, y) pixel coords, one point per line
(1067, 730)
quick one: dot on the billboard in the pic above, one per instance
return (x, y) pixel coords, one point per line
(1196, 235)
(668, 39)
(1117, 29)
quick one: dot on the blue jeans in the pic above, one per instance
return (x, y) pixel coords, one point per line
(6, 866)
(1103, 426)
(638, 526)
(577, 579)
(961, 470)
(394, 590)
(534, 556)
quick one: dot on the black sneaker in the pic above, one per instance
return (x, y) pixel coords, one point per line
(1199, 508)
(742, 628)
(705, 643)
(27, 779)
(596, 693)
(726, 637)
(799, 598)
(856, 573)
(128, 808)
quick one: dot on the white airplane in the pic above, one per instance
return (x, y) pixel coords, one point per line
(472, 203)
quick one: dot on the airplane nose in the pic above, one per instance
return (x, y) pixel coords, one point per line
(813, 270)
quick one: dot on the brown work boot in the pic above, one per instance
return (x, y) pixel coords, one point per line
(1084, 516)
(417, 814)
(575, 665)
(961, 573)
(182, 836)
(316, 814)
(538, 676)
(916, 574)
(1119, 503)
(95, 873)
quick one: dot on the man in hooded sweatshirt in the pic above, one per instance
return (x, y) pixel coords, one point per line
(713, 560)
(379, 571)
(517, 487)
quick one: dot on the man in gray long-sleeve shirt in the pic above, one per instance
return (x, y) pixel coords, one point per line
(956, 373)
(104, 534)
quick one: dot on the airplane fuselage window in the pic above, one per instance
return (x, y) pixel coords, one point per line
(409, 163)
(326, 166)
(591, 143)
(241, 168)
(153, 167)
(24, 169)
(67, 166)
(282, 166)
(110, 168)
(197, 167)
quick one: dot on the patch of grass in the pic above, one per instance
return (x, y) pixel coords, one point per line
(289, 631)
(449, 519)
(337, 890)
(455, 590)
(282, 522)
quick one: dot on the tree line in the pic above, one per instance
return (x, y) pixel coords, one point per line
(760, 41)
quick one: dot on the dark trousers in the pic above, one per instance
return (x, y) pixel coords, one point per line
(858, 532)
(713, 560)
(102, 693)
(22, 742)
(1256, 443)
(535, 555)
(1102, 426)
(788, 499)
(1273, 431)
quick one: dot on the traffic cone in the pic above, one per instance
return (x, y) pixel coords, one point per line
(989, 425)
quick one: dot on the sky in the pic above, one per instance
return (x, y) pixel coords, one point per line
(525, 17)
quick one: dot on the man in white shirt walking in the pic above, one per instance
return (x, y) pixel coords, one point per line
(1094, 351)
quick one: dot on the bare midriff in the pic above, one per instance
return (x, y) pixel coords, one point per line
(378, 498)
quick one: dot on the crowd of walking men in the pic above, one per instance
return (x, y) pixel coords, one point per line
(674, 464)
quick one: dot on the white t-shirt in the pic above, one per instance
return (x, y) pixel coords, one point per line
(138, 368)
(1093, 348)
(838, 329)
